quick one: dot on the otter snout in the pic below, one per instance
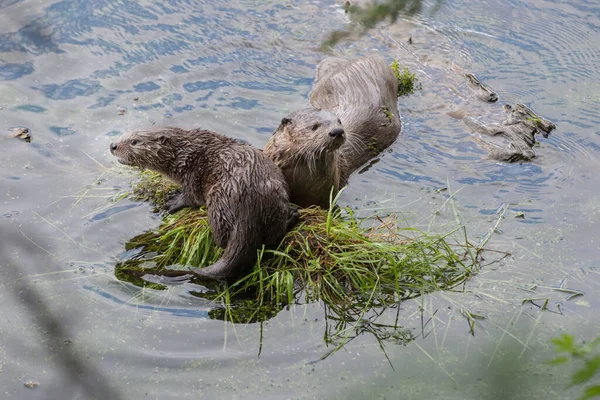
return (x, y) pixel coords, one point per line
(113, 148)
(337, 133)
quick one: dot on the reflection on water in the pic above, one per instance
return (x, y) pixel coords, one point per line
(77, 73)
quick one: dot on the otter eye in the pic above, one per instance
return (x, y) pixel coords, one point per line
(316, 126)
(285, 121)
(134, 142)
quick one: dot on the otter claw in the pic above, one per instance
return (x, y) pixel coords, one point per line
(176, 203)
(293, 217)
(174, 209)
(173, 206)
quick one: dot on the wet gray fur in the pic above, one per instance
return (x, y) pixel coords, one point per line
(363, 94)
(305, 147)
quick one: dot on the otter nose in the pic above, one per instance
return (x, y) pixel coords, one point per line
(113, 146)
(337, 132)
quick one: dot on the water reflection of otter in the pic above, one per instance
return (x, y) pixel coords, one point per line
(354, 116)
(244, 192)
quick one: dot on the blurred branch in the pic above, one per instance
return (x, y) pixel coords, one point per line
(78, 372)
(366, 18)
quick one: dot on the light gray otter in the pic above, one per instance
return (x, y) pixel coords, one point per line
(305, 147)
(362, 95)
(245, 193)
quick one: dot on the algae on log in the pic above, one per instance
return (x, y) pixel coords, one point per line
(516, 127)
(519, 127)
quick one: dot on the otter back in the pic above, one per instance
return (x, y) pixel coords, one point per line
(363, 93)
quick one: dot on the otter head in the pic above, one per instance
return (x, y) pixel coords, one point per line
(145, 149)
(305, 147)
(308, 136)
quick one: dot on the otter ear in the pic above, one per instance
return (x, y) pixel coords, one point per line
(163, 139)
(285, 121)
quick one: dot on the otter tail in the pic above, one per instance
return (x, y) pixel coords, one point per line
(237, 259)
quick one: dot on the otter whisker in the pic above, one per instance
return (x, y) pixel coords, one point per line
(354, 143)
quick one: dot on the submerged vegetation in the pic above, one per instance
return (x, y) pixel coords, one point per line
(352, 266)
(586, 355)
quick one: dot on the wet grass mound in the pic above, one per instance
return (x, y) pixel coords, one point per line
(351, 265)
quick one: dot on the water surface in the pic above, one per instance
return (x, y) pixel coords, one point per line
(80, 73)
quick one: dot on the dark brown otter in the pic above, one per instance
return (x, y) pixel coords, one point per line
(363, 94)
(245, 194)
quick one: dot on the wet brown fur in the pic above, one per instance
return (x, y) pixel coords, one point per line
(245, 194)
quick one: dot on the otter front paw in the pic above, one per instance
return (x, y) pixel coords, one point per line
(293, 217)
(176, 203)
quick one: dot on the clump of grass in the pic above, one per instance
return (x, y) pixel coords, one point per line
(329, 256)
(183, 238)
(154, 188)
(335, 259)
(407, 82)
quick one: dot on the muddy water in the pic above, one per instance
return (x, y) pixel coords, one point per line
(79, 73)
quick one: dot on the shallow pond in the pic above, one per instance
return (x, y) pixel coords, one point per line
(79, 73)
